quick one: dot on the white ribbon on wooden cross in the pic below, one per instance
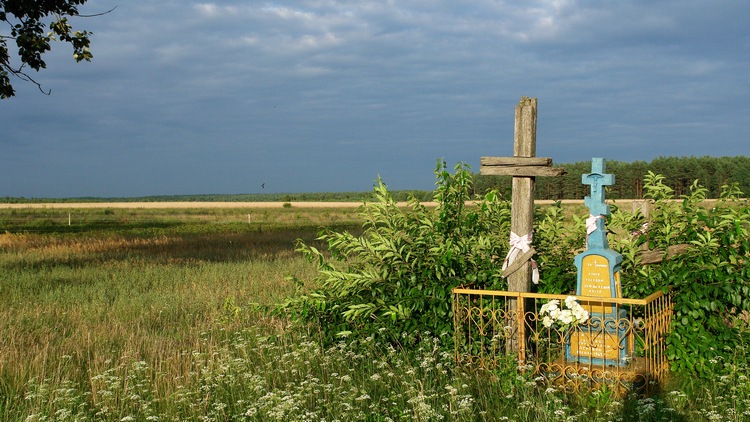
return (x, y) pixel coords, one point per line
(521, 244)
(591, 226)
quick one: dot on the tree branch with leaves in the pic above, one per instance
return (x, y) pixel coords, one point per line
(22, 23)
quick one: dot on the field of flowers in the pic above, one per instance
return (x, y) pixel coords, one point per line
(161, 315)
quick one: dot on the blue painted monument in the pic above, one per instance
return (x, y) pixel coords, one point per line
(601, 340)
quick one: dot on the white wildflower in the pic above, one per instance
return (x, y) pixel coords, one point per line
(549, 306)
(547, 321)
(574, 314)
(566, 317)
(554, 313)
(580, 314)
(363, 396)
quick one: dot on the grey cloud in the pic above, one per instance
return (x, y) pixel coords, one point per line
(237, 89)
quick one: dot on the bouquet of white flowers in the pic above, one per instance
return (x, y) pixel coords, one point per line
(552, 313)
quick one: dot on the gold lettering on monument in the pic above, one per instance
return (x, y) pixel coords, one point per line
(595, 281)
(595, 345)
(595, 277)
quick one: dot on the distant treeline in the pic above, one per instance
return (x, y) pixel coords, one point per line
(711, 172)
(401, 195)
(680, 173)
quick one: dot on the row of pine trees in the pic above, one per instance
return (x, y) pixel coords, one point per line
(711, 172)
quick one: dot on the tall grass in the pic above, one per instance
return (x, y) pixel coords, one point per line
(254, 375)
(77, 297)
(157, 321)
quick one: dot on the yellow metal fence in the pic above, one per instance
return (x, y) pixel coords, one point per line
(622, 342)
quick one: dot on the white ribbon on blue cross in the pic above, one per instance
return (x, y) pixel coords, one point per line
(591, 226)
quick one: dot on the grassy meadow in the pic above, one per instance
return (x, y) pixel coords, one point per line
(157, 314)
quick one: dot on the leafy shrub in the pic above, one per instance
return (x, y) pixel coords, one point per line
(710, 283)
(396, 277)
(556, 241)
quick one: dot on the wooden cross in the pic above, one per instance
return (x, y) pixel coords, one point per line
(597, 179)
(524, 166)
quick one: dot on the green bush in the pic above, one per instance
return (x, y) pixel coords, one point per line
(556, 241)
(396, 277)
(710, 283)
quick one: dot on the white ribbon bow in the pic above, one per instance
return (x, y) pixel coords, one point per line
(521, 244)
(591, 226)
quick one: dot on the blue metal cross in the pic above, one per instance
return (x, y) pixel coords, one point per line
(597, 179)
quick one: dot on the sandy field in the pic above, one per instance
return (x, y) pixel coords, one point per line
(172, 205)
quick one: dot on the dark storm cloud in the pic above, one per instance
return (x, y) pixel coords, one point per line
(217, 97)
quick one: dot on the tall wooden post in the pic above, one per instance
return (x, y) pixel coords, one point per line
(524, 166)
(522, 196)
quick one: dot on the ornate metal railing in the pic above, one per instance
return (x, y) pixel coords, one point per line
(621, 343)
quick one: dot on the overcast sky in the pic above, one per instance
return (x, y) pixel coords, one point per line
(188, 97)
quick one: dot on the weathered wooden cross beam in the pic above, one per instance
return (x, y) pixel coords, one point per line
(524, 166)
